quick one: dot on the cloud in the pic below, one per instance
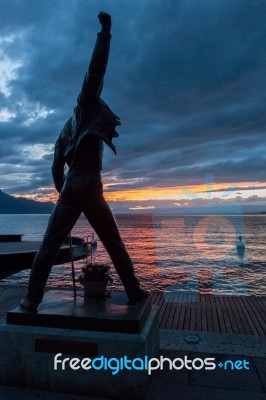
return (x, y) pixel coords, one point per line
(186, 78)
(138, 208)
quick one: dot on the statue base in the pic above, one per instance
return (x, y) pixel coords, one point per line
(81, 346)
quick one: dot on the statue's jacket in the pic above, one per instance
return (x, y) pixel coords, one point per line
(91, 116)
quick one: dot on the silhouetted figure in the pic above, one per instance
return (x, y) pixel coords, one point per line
(80, 146)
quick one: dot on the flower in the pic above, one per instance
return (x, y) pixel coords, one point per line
(95, 272)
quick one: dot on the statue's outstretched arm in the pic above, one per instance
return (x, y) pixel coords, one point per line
(93, 81)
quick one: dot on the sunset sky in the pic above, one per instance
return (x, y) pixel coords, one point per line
(186, 77)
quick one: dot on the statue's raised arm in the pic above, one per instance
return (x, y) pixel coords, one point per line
(93, 81)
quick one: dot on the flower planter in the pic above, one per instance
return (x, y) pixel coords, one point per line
(95, 288)
(95, 278)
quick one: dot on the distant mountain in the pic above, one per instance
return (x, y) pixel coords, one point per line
(20, 205)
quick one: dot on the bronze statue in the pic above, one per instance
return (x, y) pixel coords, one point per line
(80, 146)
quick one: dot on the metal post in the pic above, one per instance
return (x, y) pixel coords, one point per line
(72, 265)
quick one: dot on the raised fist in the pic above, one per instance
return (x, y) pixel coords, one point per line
(105, 19)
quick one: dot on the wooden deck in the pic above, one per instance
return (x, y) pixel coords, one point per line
(235, 315)
(224, 314)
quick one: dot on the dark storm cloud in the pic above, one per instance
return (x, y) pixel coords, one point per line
(186, 77)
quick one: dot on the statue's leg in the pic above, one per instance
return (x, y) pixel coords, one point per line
(103, 222)
(60, 224)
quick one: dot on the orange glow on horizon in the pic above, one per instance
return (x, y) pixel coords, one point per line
(152, 193)
(170, 193)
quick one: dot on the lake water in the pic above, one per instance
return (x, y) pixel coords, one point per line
(175, 253)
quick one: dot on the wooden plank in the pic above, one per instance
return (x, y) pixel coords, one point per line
(215, 320)
(155, 297)
(243, 316)
(203, 312)
(171, 317)
(261, 308)
(247, 316)
(251, 314)
(162, 311)
(237, 317)
(220, 314)
(178, 304)
(257, 316)
(262, 303)
(164, 315)
(226, 316)
(192, 326)
(262, 300)
(166, 312)
(160, 302)
(231, 315)
(209, 317)
(187, 316)
(258, 321)
(180, 325)
(198, 316)
(175, 322)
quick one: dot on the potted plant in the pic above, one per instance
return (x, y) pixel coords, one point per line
(95, 278)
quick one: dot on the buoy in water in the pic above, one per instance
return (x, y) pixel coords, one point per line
(240, 245)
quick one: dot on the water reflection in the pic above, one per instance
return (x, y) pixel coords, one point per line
(187, 254)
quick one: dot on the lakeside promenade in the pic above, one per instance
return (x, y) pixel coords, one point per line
(227, 327)
(185, 312)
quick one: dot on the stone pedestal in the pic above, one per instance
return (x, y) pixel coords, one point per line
(81, 329)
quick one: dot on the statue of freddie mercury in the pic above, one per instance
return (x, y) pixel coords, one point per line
(80, 146)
